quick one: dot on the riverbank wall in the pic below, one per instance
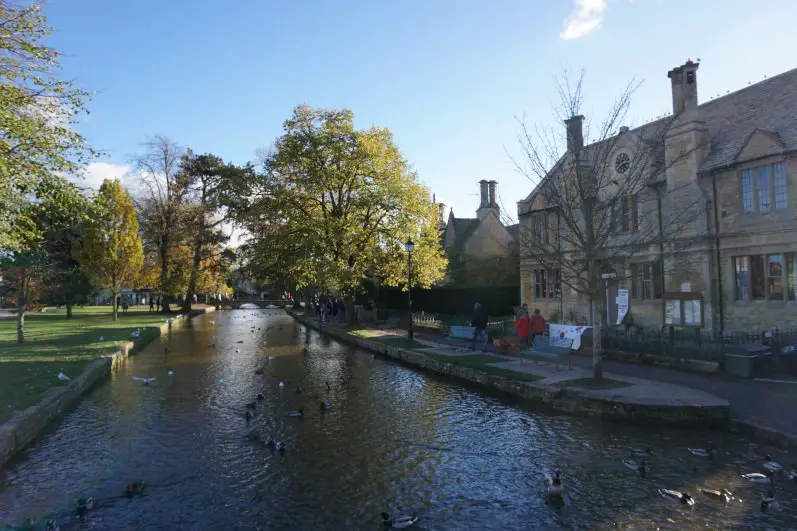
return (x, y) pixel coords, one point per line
(23, 428)
(584, 402)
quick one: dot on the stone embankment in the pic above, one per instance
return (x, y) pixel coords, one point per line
(21, 429)
(633, 400)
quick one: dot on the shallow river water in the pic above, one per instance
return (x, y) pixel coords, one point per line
(395, 440)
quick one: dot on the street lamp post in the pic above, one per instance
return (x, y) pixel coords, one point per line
(606, 277)
(410, 247)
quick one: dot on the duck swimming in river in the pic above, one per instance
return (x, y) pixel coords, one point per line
(260, 397)
(325, 406)
(757, 477)
(640, 468)
(722, 495)
(769, 501)
(676, 496)
(555, 492)
(84, 505)
(297, 413)
(772, 466)
(702, 452)
(399, 522)
(137, 487)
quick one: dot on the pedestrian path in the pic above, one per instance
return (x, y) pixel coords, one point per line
(617, 387)
(759, 403)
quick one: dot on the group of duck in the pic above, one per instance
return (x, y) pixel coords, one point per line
(772, 469)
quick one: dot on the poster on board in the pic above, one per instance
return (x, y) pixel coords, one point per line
(559, 332)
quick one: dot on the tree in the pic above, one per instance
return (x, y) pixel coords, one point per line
(36, 141)
(161, 204)
(111, 251)
(336, 205)
(603, 202)
(43, 222)
(211, 200)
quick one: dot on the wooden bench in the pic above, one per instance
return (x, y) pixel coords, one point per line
(557, 350)
(461, 332)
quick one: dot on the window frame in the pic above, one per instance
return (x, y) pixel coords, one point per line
(764, 188)
(787, 277)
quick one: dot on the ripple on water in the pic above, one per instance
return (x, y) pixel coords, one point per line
(396, 440)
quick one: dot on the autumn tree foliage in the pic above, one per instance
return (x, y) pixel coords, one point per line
(110, 251)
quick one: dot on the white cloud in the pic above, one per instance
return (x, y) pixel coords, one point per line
(586, 17)
(96, 172)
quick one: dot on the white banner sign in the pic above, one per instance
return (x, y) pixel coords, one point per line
(559, 332)
(622, 304)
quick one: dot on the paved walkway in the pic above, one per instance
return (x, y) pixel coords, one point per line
(765, 403)
(637, 391)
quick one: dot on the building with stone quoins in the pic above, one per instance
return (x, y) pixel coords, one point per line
(738, 162)
(480, 250)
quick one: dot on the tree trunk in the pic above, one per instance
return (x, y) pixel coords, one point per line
(69, 310)
(20, 324)
(189, 295)
(351, 313)
(115, 307)
(596, 318)
(164, 256)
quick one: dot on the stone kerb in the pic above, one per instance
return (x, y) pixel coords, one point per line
(570, 400)
(25, 426)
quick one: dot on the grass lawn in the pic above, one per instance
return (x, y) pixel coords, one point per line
(483, 363)
(592, 383)
(54, 343)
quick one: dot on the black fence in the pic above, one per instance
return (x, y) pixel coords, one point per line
(687, 344)
(497, 300)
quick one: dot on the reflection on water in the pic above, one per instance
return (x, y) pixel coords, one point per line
(395, 440)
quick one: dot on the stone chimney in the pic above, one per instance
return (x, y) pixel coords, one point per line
(684, 87)
(485, 193)
(493, 188)
(575, 133)
(441, 214)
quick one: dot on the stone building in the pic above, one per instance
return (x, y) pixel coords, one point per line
(481, 250)
(734, 158)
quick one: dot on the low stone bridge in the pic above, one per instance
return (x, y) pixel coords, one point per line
(260, 303)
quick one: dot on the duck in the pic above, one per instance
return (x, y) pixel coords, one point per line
(723, 495)
(251, 405)
(84, 505)
(137, 487)
(702, 452)
(51, 525)
(237, 350)
(278, 446)
(555, 490)
(145, 381)
(325, 406)
(260, 397)
(676, 496)
(769, 501)
(772, 466)
(757, 477)
(641, 468)
(297, 413)
(63, 377)
(281, 385)
(793, 474)
(399, 522)
(645, 452)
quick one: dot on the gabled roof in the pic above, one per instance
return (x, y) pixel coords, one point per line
(769, 106)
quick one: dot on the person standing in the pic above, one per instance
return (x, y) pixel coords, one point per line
(522, 325)
(479, 323)
(152, 304)
(537, 324)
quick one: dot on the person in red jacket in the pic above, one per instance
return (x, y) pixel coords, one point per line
(537, 324)
(522, 324)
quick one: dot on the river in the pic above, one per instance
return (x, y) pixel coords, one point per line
(395, 440)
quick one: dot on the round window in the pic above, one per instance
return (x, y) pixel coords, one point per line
(622, 163)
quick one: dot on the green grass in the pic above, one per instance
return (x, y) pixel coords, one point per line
(592, 383)
(54, 343)
(482, 362)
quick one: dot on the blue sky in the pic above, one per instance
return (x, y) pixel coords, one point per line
(447, 77)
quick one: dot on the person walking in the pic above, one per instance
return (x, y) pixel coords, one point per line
(537, 325)
(479, 323)
(152, 304)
